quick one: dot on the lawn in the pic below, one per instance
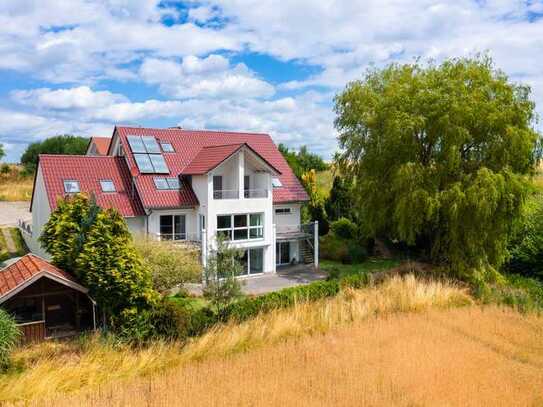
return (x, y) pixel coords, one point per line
(20, 246)
(195, 303)
(369, 266)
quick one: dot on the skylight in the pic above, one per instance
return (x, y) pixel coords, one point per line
(71, 186)
(167, 147)
(169, 183)
(107, 185)
(276, 182)
(148, 154)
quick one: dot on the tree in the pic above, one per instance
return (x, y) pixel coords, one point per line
(441, 155)
(97, 247)
(315, 207)
(64, 144)
(302, 161)
(9, 337)
(110, 267)
(2, 152)
(339, 203)
(223, 266)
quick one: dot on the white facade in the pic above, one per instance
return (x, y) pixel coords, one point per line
(235, 198)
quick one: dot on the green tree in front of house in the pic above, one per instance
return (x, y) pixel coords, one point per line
(221, 286)
(2, 152)
(97, 247)
(441, 155)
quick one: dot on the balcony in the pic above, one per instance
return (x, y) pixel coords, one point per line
(295, 232)
(234, 194)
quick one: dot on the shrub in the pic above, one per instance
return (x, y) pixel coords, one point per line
(344, 228)
(9, 337)
(522, 293)
(171, 265)
(347, 251)
(251, 306)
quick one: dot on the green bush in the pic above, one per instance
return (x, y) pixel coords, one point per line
(344, 228)
(347, 251)
(526, 245)
(170, 264)
(522, 293)
(9, 337)
(249, 307)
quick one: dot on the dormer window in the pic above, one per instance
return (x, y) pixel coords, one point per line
(167, 147)
(276, 182)
(71, 186)
(107, 185)
(165, 184)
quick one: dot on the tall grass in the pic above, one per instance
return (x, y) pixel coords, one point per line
(49, 369)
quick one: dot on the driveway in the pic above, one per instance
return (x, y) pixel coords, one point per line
(11, 212)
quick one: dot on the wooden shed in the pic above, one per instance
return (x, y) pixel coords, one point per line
(46, 302)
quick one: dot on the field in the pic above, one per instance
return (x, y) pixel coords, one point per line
(15, 186)
(430, 358)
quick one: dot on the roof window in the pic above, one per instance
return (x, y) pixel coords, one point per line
(107, 185)
(71, 186)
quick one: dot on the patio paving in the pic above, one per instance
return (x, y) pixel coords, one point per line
(285, 277)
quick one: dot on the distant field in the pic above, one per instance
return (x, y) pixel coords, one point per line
(421, 359)
(14, 186)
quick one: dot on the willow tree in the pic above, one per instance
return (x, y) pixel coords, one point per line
(442, 155)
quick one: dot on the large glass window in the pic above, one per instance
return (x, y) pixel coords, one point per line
(252, 261)
(241, 227)
(172, 227)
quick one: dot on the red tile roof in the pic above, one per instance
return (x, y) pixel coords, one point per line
(187, 145)
(211, 157)
(25, 269)
(101, 143)
(89, 170)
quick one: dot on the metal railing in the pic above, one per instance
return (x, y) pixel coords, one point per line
(226, 194)
(307, 229)
(255, 193)
(177, 237)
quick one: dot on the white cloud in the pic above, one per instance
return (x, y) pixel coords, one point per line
(204, 77)
(81, 97)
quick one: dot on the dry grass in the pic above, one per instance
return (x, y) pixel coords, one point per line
(458, 357)
(14, 186)
(49, 369)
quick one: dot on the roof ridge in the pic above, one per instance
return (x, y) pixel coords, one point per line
(79, 156)
(225, 145)
(195, 130)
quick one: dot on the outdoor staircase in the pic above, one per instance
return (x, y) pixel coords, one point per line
(307, 251)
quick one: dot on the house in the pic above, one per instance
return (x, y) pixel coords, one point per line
(98, 145)
(189, 186)
(45, 301)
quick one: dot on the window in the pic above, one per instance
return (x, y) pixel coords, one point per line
(147, 154)
(71, 186)
(276, 182)
(167, 147)
(217, 187)
(170, 183)
(172, 227)
(107, 185)
(282, 211)
(252, 261)
(241, 227)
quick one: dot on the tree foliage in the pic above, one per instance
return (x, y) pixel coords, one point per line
(441, 155)
(302, 161)
(64, 144)
(315, 207)
(221, 286)
(97, 247)
(340, 202)
(9, 337)
(2, 152)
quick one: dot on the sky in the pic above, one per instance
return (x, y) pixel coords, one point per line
(81, 67)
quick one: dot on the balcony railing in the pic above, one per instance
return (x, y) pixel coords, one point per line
(226, 194)
(177, 237)
(256, 193)
(295, 231)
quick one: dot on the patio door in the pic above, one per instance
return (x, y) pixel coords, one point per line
(282, 253)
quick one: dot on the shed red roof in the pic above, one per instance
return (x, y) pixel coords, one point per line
(88, 171)
(188, 144)
(101, 143)
(24, 269)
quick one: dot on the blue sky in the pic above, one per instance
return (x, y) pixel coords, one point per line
(80, 67)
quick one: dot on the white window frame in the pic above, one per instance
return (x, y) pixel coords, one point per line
(175, 233)
(247, 271)
(276, 182)
(110, 181)
(167, 143)
(71, 180)
(231, 230)
(283, 211)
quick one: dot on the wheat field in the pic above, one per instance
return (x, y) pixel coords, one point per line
(406, 342)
